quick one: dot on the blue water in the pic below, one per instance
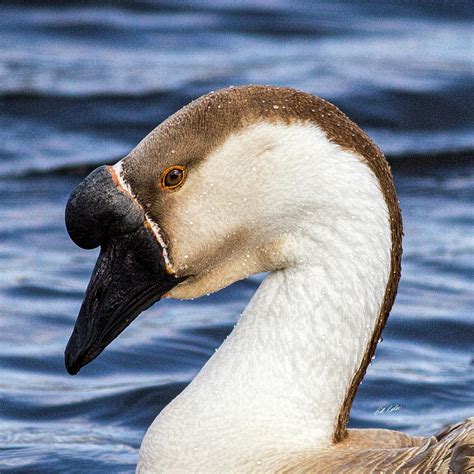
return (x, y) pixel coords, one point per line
(81, 83)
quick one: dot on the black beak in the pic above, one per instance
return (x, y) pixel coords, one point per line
(130, 273)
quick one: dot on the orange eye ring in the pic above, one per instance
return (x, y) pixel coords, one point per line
(172, 177)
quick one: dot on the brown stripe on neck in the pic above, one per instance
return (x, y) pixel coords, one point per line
(374, 158)
(191, 134)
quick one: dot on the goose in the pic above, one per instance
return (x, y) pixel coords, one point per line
(241, 181)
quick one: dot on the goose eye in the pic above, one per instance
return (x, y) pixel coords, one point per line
(173, 177)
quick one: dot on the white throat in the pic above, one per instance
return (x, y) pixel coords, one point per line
(277, 384)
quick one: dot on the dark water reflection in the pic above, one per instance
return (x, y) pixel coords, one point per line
(82, 83)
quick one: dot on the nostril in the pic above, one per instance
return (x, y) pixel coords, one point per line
(95, 299)
(98, 293)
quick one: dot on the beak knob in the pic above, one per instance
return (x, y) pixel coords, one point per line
(98, 208)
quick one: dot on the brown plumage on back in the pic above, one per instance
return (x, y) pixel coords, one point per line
(386, 451)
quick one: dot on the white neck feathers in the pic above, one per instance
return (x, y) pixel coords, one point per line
(277, 384)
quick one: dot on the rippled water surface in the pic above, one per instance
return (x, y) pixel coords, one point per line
(81, 83)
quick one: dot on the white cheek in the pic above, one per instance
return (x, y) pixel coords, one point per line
(271, 182)
(225, 191)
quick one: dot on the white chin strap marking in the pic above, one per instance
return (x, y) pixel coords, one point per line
(149, 221)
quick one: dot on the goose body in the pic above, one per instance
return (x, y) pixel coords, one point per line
(241, 181)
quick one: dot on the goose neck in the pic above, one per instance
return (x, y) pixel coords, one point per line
(281, 377)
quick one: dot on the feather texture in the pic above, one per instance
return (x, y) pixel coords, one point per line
(385, 451)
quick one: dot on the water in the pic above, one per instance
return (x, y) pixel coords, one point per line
(80, 84)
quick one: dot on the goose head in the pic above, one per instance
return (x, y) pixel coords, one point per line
(231, 185)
